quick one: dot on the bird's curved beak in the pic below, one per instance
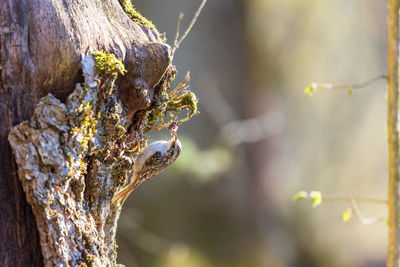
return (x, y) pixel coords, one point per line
(175, 137)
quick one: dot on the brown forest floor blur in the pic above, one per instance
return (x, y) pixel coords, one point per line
(227, 200)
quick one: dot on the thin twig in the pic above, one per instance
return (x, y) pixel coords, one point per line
(194, 19)
(177, 42)
(354, 207)
(361, 218)
(178, 26)
(349, 199)
(346, 86)
(181, 84)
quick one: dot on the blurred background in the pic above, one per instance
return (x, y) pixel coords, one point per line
(227, 201)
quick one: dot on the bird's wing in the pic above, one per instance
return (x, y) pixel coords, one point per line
(153, 165)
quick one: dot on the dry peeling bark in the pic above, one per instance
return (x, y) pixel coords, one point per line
(71, 159)
(77, 148)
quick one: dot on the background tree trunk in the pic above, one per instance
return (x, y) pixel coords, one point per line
(393, 134)
(41, 44)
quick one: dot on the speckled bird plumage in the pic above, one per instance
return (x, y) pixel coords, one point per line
(151, 161)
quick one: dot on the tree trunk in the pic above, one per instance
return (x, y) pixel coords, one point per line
(393, 134)
(76, 149)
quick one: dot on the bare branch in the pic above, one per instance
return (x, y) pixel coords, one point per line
(316, 198)
(313, 87)
(178, 26)
(177, 42)
(360, 216)
(349, 199)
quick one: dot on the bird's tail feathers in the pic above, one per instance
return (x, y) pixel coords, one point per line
(123, 194)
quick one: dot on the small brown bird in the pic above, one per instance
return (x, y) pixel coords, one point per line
(151, 161)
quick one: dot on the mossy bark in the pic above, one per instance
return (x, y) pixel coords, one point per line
(75, 144)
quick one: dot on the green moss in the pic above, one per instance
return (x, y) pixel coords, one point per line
(107, 64)
(171, 106)
(134, 15)
(186, 101)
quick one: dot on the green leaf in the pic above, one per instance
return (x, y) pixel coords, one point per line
(350, 90)
(316, 198)
(300, 196)
(310, 90)
(347, 213)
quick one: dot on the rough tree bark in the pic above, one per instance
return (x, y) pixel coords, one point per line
(75, 148)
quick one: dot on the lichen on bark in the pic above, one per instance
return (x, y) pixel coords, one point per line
(77, 148)
(71, 159)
